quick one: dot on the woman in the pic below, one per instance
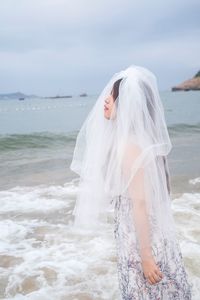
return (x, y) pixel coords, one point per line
(120, 155)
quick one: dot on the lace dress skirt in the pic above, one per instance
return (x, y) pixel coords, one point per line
(132, 283)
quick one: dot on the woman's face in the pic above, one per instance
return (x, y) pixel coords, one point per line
(109, 107)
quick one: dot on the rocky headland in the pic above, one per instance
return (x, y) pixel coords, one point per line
(192, 84)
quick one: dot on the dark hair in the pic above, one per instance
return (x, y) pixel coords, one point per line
(150, 105)
(115, 89)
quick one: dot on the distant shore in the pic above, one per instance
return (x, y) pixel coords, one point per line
(192, 84)
(22, 96)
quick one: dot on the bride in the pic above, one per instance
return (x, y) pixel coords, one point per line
(121, 157)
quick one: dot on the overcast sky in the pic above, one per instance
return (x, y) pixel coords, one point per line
(52, 47)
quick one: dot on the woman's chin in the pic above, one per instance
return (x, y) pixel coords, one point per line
(106, 116)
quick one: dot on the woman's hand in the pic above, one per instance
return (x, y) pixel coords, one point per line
(151, 271)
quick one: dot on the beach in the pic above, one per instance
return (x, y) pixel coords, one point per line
(41, 255)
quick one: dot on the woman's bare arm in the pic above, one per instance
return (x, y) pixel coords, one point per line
(137, 192)
(140, 213)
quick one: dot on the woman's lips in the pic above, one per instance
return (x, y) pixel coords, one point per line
(105, 108)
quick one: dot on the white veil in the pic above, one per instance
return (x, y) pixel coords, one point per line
(125, 155)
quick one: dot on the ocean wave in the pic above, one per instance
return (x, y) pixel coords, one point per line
(46, 139)
(35, 140)
(183, 127)
(47, 254)
(195, 181)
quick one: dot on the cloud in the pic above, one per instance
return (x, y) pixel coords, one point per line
(55, 46)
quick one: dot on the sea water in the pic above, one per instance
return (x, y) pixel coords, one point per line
(41, 256)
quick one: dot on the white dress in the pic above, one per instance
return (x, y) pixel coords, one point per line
(132, 283)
